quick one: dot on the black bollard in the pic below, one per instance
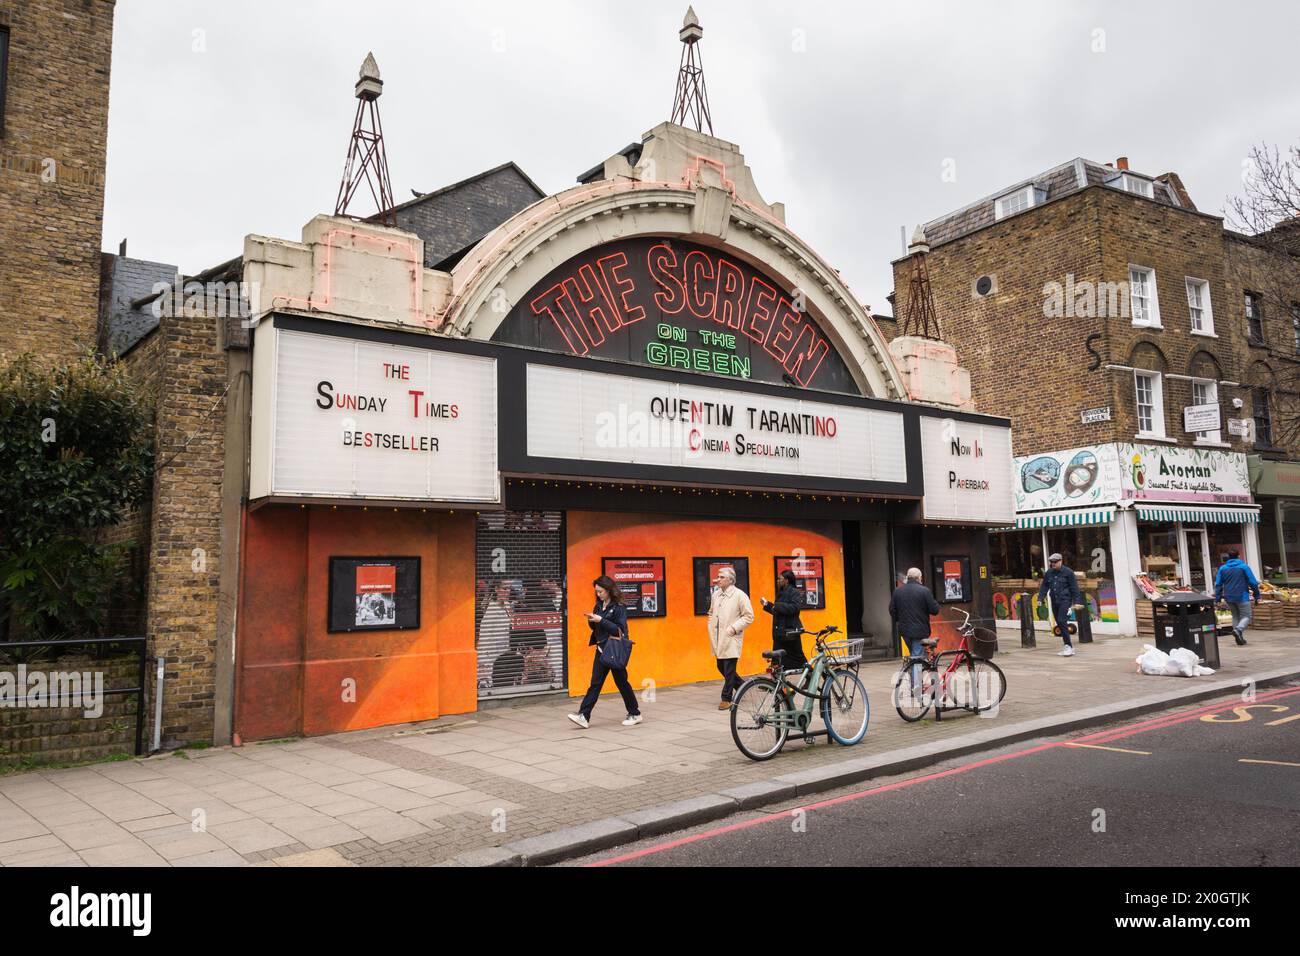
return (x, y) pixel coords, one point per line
(1083, 617)
(1025, 604)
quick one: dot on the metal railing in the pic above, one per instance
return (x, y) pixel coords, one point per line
(99, 643)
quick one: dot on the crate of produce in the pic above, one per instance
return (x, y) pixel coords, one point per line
(1268, 615)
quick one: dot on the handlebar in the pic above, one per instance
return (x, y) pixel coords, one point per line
(797, 632)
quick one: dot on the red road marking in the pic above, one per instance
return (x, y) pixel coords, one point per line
(1161, 723)
(1127, 731)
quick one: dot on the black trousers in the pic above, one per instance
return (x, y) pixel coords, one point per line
(794, 655)
(598, 674)
(730, 679)
(1061, 611)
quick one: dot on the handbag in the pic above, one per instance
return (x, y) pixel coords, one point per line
(615, 651)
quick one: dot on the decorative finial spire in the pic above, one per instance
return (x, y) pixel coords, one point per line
(367, 158)
(921, 319)
(368, 82)
(919, 241)
(691, 101)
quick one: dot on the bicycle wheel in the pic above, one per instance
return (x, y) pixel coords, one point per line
(913, 702)
(845, 708)
(989, 683)
(757, 726)
(953, 690)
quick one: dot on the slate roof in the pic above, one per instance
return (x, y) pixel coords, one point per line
(132, 279)
(1059, 181)
(453, 219)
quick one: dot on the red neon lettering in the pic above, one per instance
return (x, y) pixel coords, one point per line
(731, 294)
(702, 300)
(782, 331)
(758, 315)
(552, 303)
(620, 287)
(595, 311)
(660, 260)
(804, 361)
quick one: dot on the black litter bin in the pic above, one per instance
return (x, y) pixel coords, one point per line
(1186, 619)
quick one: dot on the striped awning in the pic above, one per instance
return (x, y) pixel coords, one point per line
(1065, 519)
(1192, 514)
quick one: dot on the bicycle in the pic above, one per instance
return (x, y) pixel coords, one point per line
(931, 679)
(766, 707)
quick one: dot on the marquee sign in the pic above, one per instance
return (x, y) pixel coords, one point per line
(677, 305)
(344, 418)
(967, 471)
(595, 416)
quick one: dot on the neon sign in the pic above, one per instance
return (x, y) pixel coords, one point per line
(675, 304)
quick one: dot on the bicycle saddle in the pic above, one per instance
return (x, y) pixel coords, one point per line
(774, 655)
(930, 642)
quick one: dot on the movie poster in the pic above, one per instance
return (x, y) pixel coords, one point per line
(950, 579)
(642, 581)
(374, 594)
(809, 574)
(706, 570)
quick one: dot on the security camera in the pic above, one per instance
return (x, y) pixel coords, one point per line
(1237, 403)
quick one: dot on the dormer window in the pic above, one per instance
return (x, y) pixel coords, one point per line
(1018, 201)
(1136, 184)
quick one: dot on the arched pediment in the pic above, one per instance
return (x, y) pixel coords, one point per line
(502, 270)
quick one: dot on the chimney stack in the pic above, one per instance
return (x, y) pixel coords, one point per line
(1121, 163)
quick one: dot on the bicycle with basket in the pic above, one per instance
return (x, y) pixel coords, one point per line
(768, 708)
(960, 679)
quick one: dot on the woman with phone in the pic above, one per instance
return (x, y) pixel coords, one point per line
(607, 619)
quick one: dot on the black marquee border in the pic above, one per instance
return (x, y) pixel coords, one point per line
(512, 405)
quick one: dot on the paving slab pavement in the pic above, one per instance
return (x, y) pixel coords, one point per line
(520, 785)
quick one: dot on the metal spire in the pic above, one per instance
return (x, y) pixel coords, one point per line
(367, 159)
(921, 319)
(691, 102)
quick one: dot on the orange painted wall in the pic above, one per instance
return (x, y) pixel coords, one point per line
(675, 649)
(291, 669)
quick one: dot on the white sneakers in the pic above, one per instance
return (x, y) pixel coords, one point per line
(1066, 651)
(581, 721)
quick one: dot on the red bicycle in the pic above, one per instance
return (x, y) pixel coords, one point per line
(953, 680)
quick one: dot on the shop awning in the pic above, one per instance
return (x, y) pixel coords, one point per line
(1065, 519)
(1192, 514)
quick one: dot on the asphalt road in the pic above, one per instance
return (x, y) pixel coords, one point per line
(1216, 784)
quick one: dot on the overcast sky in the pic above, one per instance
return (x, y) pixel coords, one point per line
(230, 117)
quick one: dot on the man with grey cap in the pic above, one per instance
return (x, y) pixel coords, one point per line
(1062, 589)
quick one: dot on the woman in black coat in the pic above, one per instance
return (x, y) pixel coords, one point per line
(608, 618)
(785, 618)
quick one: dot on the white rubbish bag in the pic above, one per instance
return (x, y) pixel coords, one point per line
(1189, 665)
(1152, 660)
(1179, 663)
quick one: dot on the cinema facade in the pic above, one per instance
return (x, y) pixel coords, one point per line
(648, 375)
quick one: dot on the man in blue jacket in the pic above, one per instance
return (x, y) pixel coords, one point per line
(1062, 589)
(1235, 583)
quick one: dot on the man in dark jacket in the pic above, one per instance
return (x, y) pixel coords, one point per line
(785, 618)
(1062, 589)
(1235, 583)
(911, 607)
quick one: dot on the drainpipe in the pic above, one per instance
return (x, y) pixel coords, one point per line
(157, 708)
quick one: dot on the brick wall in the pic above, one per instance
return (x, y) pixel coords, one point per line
(56, 109)
(1034, 369)
(40, 735)
(184, 573)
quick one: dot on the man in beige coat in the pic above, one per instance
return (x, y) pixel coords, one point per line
(729, 614)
